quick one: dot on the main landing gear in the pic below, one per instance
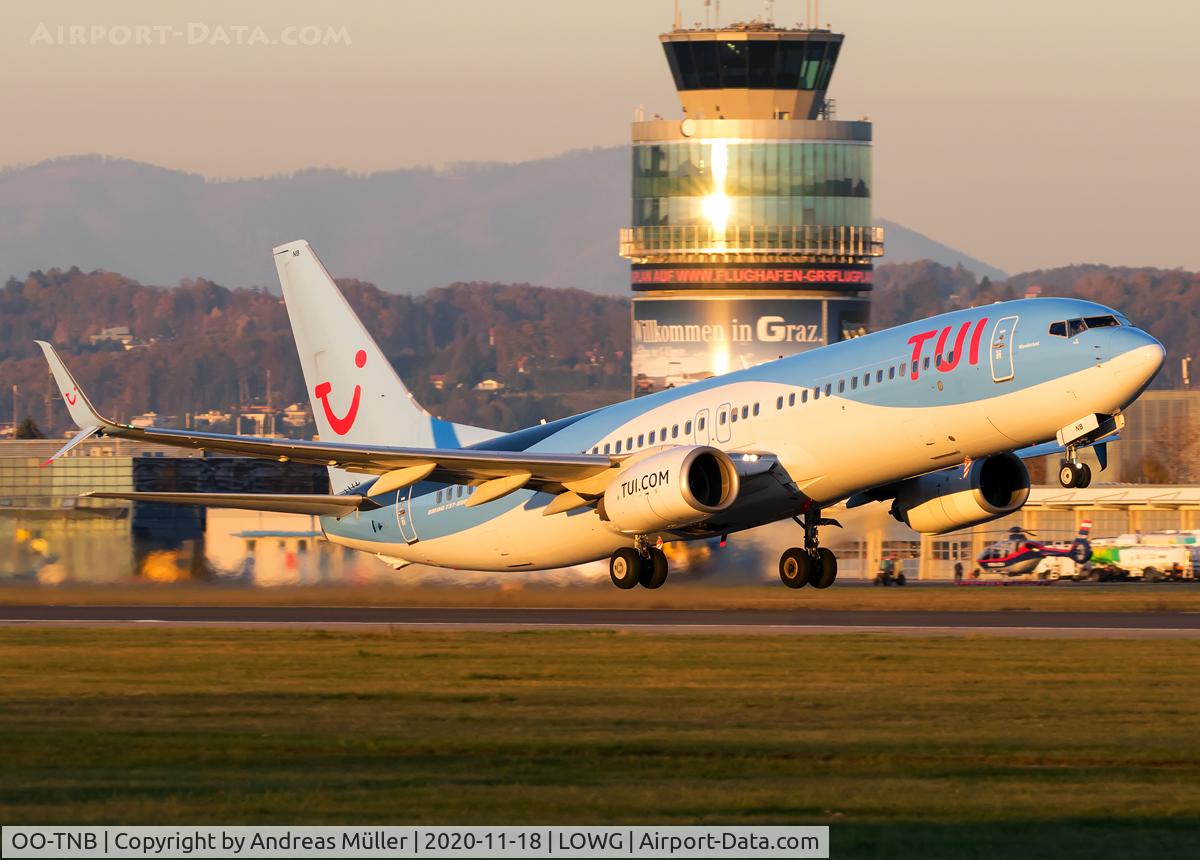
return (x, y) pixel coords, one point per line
(638, 565)
(1072, 473)
(811, 564)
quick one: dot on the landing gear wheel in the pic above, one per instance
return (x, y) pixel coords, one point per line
(654, 569)
(1074, 474)
(824, 569)
(795, 566)
(625, 567)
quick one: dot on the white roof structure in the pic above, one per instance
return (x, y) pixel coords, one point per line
(1117, 496)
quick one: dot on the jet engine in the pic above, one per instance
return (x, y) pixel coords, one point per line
(946, 501)
(675, 487)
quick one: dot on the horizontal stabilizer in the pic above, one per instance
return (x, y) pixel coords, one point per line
(316, 505)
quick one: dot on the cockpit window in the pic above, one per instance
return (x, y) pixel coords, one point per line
(1070, 328)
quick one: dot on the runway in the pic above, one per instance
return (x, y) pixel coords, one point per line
(696, 621)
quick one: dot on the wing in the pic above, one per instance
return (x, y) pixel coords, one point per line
(317, 505)
(493, 473)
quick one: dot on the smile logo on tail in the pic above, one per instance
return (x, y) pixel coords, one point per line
(72, 395)
(341, 425)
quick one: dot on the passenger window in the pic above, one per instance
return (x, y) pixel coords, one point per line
(437, 497)
(816, 394)
(1059, 329)
(927, 362)
(841, 386)
(629, 444)
(892, 372)
(606, 448)
(733, 416)
(745, 411)
(460, 491)
(792, 399)
(779, 402)
(866, 379)
(651, 437)
(641, 439)
(721, 418)
(828, 388)
(853, 383)
(687, 428)
(662, 435)
(703, 421)
(878, 376)
(618, 446)
(756, 409)
(938, 359)
(903, 367)
(803, 396)
(674, 431)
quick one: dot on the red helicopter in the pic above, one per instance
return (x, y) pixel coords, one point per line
(1018, 554)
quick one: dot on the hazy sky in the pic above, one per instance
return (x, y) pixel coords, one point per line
(1027, 133)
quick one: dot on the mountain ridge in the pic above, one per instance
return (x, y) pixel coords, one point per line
(550, 221)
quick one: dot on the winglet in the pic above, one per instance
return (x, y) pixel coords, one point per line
(82, 412)
(82, 436)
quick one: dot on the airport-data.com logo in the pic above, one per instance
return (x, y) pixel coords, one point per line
(194, 34)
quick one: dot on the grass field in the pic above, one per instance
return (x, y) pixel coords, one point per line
(946, 747)
(1176, 597)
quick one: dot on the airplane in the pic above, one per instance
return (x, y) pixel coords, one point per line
(1018, 554)
(925, 415)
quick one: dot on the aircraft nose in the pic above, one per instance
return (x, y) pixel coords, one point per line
(1140, 357)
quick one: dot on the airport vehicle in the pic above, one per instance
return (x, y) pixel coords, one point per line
(926, 415)
(889, 574)
(1121, 559)
(1018, 554)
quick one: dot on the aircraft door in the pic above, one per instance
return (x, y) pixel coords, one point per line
(701, 427)
(404, 515)
(723, 427)
(1001, 351)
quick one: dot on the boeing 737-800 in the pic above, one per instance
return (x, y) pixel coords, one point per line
(933, 416)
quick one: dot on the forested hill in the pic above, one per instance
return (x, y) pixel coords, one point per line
(203, 346)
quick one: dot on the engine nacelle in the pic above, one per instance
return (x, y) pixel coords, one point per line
(946, 501)
(676, 487)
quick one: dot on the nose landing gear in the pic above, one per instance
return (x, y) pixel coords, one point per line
(1072, 473)
(813, 564)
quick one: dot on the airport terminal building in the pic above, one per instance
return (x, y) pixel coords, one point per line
(751, 232)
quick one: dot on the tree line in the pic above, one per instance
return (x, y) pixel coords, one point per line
(204, 346)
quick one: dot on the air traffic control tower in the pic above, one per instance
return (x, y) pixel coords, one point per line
(751, 235)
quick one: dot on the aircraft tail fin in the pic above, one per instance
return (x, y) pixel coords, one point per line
(1081, 547)
(83, 413)
(356, 396)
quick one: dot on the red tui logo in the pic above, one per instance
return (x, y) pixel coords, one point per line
(341, 424)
